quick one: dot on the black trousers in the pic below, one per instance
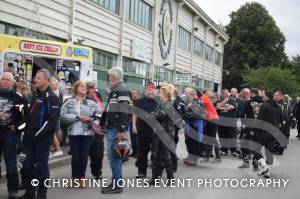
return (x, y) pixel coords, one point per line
(144, 144)
(173, 153)
(266, 140)
(298, 126)
(96, 155)
(134, 146)
(210, 139)
(160, 156)
(245, 141)
(228, 138)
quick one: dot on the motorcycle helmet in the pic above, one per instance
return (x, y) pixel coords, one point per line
(121, 148)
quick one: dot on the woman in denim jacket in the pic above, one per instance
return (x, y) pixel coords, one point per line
(78, 112)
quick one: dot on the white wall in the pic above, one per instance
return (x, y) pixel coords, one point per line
(99, 28)
(132, 31)
(54, 15)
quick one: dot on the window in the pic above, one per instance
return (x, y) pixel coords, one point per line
(209, 53)
(184, 39)
(10, 29)
(112, 5)
(139, 12)
(161, 74)
(207, 84)
(198, 47)
(103, 59)
(216, 86)
(196, 82)
(218, 58)
(2, 28)
(134, 66)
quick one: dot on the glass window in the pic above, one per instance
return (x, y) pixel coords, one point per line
(207, 84)
(139, 21)
(136, 15)
(198, 47)
(135, 66)
(218, 58)
(161, 74)
(104, 59)
(2, 29)
(184, 39)
(127, 9)
(139, 12)
(196, 82)
(112, 5)
(209, 53)
(10, 29)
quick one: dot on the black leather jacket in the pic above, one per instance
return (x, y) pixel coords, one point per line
(119, 108)
(165, 115)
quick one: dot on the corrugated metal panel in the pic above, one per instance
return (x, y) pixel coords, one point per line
(100, 28)
(183, 60)
(197, 65)
(185, 19)
(131, 32)
(53, 22)
(201, 30)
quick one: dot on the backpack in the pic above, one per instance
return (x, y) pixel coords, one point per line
(196, 109)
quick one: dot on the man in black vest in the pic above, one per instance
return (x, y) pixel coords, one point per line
(12, 120)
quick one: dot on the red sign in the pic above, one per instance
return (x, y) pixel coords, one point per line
(35, 47)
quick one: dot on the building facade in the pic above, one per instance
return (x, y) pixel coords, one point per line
(152, 40)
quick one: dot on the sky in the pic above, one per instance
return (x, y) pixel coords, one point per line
(286, 14)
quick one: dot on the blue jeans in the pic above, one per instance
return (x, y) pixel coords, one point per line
(80, 146)
(115, 163)
(8, 145)
(36, 162)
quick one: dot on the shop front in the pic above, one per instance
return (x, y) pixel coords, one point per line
(23, 57)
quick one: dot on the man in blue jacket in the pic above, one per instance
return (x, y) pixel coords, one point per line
(41, 124)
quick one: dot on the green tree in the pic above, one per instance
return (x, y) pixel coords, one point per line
(255, 41)
(294, 66)
(273, 79)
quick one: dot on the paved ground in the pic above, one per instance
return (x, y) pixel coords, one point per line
(285, 167)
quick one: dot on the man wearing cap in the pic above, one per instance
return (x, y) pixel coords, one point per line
(143, 128)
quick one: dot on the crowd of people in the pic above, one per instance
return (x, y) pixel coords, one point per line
(36, 121)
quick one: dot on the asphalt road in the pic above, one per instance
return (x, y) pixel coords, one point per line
(215, 175)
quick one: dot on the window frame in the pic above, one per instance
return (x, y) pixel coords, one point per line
(184, 35)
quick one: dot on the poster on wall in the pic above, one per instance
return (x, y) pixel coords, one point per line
(20, 65)
(182, 78)
(94, 77)
(86, 70)
(68, 73)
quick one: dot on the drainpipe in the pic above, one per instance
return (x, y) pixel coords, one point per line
(122, 14)
(72, 21)
(179, 5)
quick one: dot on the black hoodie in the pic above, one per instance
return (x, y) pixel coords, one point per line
(270, 112)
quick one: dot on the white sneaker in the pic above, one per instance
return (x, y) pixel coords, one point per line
(56, 154)
(263, 171)
(267, 174)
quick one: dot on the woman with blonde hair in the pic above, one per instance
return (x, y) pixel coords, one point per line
(163, 138)
(54, 83)
(78, 112)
